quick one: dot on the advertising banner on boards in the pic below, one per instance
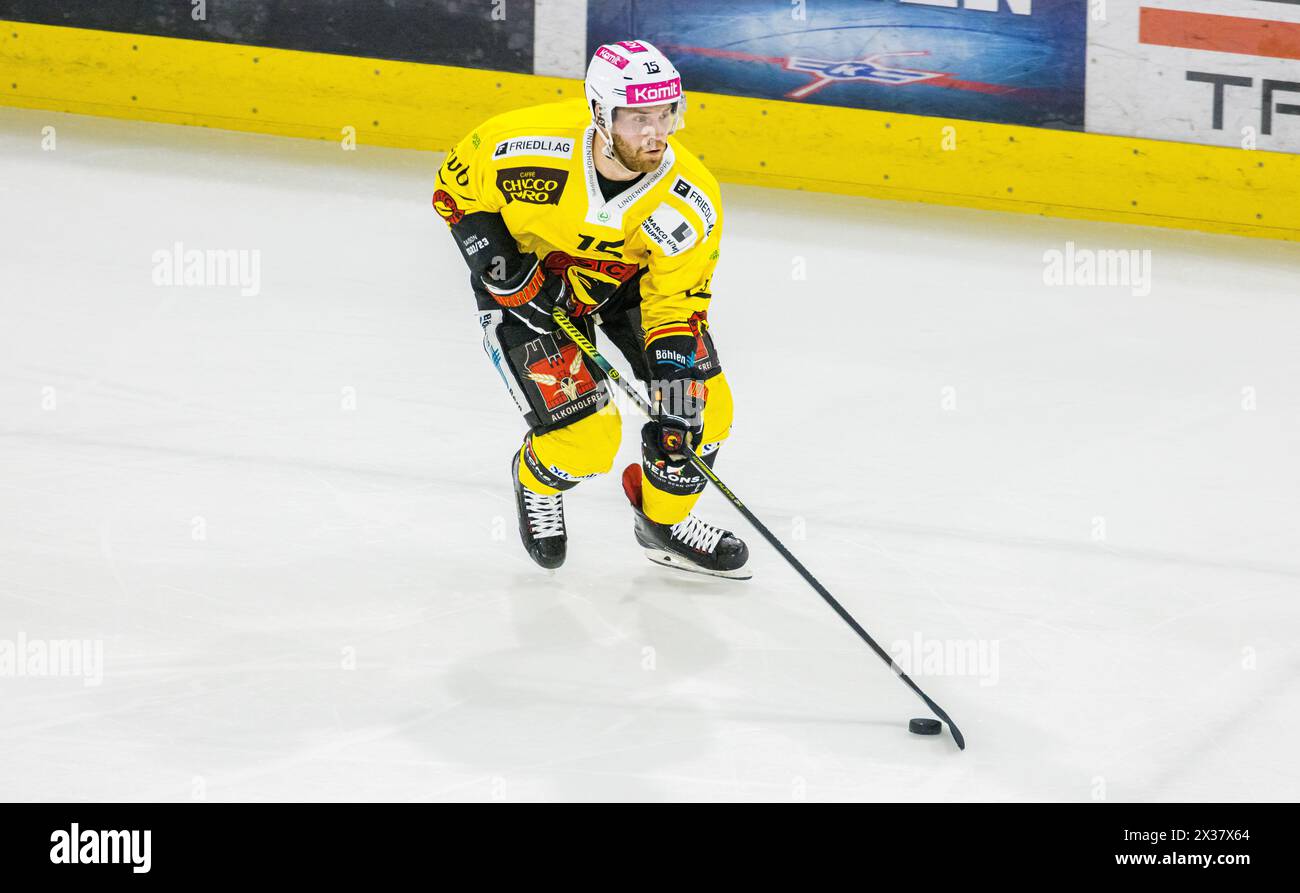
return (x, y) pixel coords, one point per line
(495, 34)
(1221, 72)
(1005, 61)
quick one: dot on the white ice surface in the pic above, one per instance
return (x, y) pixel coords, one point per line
(180, 481)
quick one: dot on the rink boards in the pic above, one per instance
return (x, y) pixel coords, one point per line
(743, 140)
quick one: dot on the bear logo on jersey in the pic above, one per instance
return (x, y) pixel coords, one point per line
(591, 281)
(446, 207)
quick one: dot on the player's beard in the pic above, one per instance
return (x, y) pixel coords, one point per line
(634, 157)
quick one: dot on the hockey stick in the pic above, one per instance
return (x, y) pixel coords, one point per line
(703, 468)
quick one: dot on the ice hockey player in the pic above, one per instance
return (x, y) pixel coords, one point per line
(592, 205)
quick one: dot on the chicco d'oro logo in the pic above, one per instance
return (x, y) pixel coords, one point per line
(534, 185)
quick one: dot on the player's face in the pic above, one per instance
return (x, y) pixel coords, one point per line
(641, 135)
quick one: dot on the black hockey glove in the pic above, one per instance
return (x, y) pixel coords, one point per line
(514, 280)
(678, 420)
(530, 295)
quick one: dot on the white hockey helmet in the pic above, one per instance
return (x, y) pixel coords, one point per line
(632, 73)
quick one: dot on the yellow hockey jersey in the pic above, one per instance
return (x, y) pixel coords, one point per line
(535, 168)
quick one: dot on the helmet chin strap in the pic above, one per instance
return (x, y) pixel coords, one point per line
(608, 148)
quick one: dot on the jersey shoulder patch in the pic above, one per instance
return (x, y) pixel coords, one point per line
(698, 200)
(668, 228)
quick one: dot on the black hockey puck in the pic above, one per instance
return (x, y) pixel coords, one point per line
(923, 726)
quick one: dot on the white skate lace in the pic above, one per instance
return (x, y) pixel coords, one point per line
(698, 535)
(545, 514)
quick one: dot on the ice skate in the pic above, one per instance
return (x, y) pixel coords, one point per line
(689, 545)
(541, 522)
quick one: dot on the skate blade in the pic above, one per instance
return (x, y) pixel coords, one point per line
(677, 562)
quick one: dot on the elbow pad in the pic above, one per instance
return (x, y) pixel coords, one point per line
(489, 249)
